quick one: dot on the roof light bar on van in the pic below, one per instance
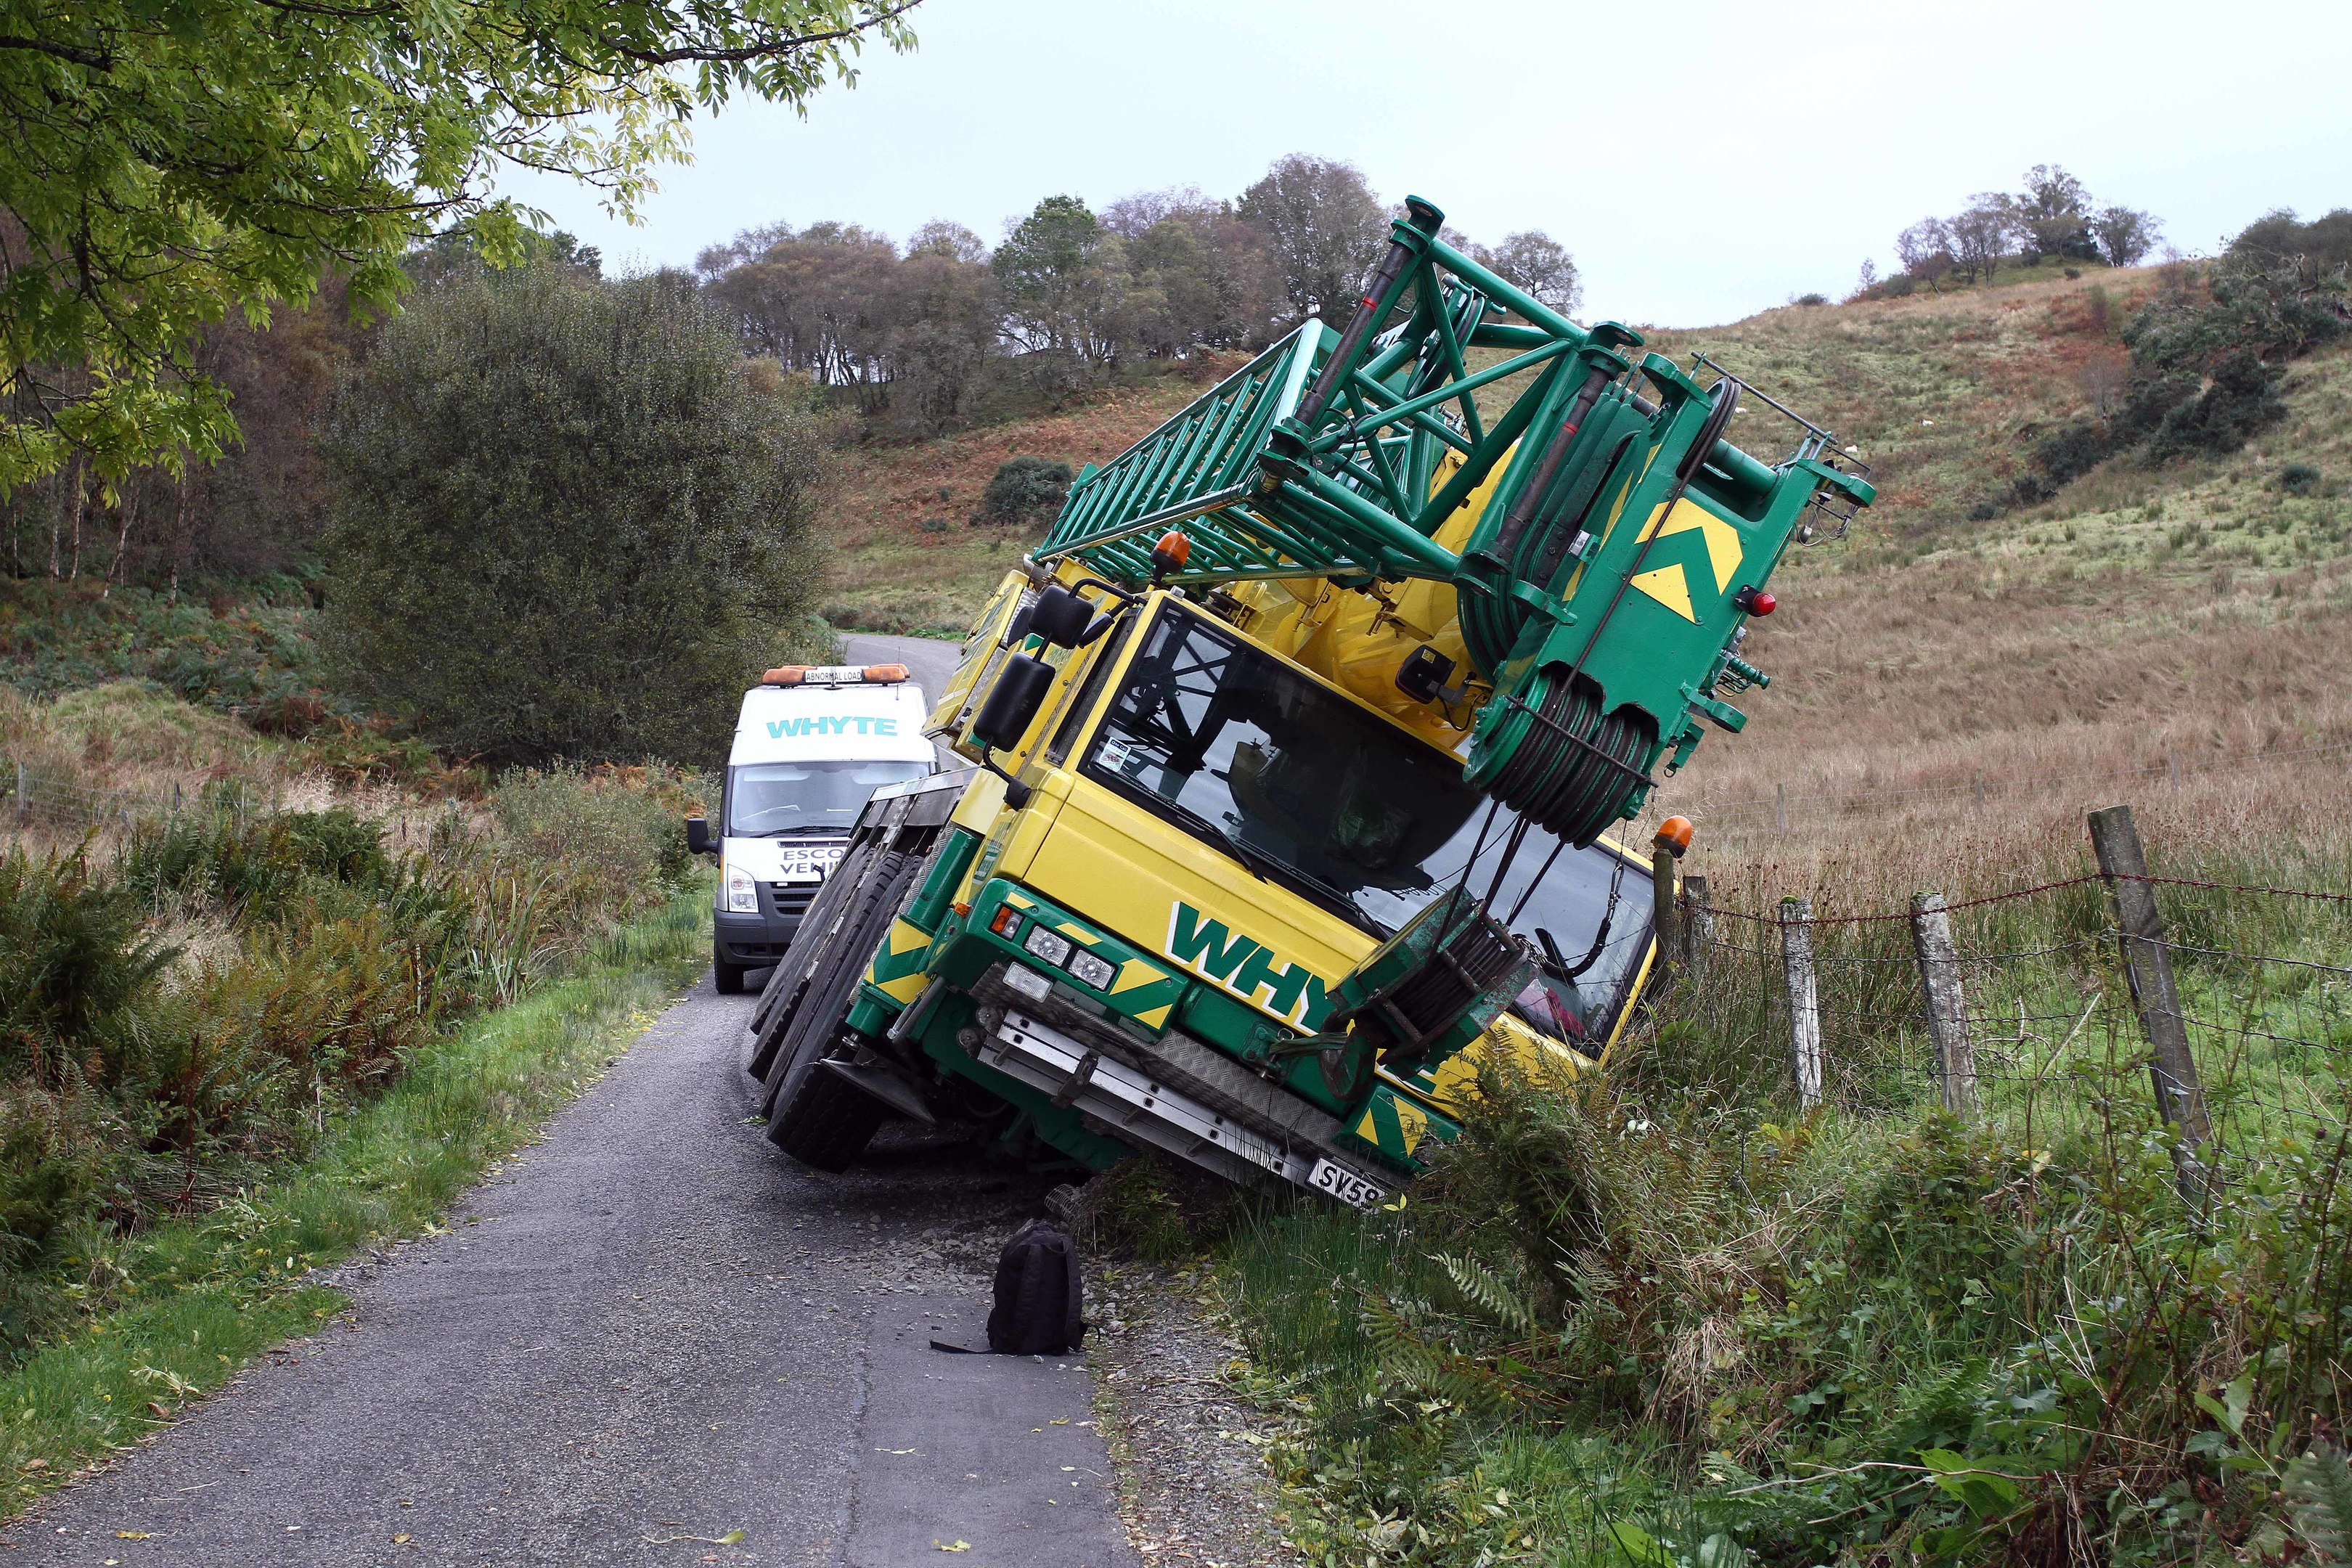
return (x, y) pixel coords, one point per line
(834, 674)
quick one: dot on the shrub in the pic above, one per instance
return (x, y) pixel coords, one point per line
(1024, 493)
(2299, 478)
(73, 959)
(571, 516)
(596, 847)
(2072, 450)
(2241, 401)
(1810, 300)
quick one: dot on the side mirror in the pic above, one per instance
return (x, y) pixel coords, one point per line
(1060, 616)
(697, 836)
(1013, 702)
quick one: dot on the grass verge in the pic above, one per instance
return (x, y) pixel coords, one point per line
(209, 1294)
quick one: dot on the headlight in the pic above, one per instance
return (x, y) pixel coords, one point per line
(1051, 946)
(1091, 971)
(742, 893)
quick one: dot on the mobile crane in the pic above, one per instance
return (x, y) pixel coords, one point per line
(1294, 747)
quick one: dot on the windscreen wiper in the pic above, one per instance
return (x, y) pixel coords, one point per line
(1258, 862)
(1261, 861)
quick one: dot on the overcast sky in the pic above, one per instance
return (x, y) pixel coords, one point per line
(1701, 161)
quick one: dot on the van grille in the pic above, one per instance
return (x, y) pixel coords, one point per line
(792, 897)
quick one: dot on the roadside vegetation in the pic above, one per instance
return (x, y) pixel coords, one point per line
(199, 993)
(146, 1318)
(1667, 1317)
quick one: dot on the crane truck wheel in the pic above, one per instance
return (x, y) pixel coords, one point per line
(781, 1001)
(828, 1123)
(832, 985)
(802, 1116)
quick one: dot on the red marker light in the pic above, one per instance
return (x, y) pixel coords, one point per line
(1755, 601)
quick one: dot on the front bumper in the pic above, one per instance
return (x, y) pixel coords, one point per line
(757, 940)
(1173, 1093)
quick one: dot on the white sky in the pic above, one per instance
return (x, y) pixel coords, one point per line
(1702, 161)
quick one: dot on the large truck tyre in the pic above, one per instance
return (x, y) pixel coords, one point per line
(780, 1003)
(805, 1113)
(828, 1123)
(831, 983)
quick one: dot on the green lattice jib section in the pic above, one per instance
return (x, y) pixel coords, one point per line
(1616, 559)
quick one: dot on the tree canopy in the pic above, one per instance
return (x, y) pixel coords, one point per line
(569, 517)
(165, 165)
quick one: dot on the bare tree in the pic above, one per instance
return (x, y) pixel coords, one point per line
(1539, 264)
(2125, 236)
(1324, 228)
(1981, 236)
(1925, 250)
(952, 240)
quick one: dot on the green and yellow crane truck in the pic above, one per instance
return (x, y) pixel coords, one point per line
(1294, 749)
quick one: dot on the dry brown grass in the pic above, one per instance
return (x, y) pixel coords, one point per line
(891, 572)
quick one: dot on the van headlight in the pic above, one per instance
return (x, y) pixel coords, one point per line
(742, 893)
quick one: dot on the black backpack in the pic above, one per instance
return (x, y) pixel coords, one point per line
(1038, 1296)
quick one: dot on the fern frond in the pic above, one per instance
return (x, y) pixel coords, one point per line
(2319, 1487)
(1486, 1290)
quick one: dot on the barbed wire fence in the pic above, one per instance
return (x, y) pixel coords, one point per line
(2214, 1016)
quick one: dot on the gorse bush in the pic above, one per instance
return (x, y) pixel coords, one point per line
(179, 1021)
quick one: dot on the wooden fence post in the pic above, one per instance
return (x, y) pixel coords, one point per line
(21, 818)
(1698, 928)
(1804, 998)
(1947, 1023)
(1780, 808)
(1664, 927)
(2147, 966)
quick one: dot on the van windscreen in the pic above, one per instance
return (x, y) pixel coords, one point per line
(764, 799)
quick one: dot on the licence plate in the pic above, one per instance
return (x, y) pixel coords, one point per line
(1332, 1177)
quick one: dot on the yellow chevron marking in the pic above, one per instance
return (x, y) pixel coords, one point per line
(906, 988)
(1366, 1131)
(906, 938)
(1136, 973)
(1156, 1018)
(1669, 587)
(1723, 552)
(1412, 1121)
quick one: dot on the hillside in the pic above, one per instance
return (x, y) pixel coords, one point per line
(2178, 617)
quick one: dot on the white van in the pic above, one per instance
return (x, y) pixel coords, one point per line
(811, 743)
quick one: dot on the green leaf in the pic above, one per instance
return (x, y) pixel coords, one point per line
(1988, 1494)
(1640, 1546)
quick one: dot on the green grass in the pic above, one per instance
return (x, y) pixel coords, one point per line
(208, 1295)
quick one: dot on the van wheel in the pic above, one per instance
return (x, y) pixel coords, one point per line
(828, 1123)
(726, 978)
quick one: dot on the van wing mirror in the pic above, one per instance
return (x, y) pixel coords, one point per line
(697, 836)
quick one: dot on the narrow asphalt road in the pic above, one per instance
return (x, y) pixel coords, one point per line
(928, 660)
(648, 1332)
